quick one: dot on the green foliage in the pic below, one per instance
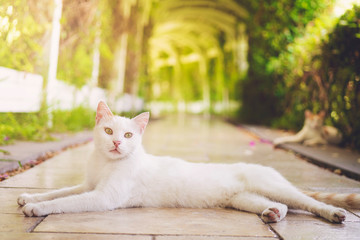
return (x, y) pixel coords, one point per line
(22, 126)
(296, 66)
(77, 119)
(340, 70)
(272, 26)
(19, 36)
(75, 66)
(33, 126)
(321, 71)
(77, 42)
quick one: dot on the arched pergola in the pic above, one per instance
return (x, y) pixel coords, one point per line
(197, 32)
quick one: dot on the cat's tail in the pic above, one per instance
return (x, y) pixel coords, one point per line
(344, 200)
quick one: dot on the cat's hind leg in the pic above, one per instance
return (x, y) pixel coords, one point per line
(293, 198)
(269, 211)
(39, 197)
(298, 200)
(272, 185)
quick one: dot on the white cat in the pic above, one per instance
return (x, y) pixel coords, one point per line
(122, 175)
(314, 132)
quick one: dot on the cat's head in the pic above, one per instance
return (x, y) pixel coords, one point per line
(314, 121)
(118, 137)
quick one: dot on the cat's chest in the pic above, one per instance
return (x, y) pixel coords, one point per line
(94, 174)
(99, 171)
(312, 133)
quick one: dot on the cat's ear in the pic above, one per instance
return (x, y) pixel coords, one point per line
(322, 114)
(103, 111)
(142, 120)
(308, 113)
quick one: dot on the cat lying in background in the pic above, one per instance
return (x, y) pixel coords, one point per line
(314, 132)
(122, 175)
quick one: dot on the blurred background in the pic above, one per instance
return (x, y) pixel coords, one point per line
(261, 62)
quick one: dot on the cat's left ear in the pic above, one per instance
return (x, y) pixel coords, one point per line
(142, 120)
(322, 114)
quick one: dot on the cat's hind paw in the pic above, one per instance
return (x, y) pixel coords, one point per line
(273, 214)
(25, 198)
(277, 142)
(33, 210)
(338, 215)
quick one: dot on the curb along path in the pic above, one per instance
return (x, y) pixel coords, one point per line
(340, 160)
(22, 152)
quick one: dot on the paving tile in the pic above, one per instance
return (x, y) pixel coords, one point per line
(219, 222)
(187, 237)
(317, 230)
(39, 177)
(66, 236)
(8, 198)
(17, 223)
(299, 215)
(356, 212)
(29, 151)
(328, 155)
(65, 169)
(331, 156)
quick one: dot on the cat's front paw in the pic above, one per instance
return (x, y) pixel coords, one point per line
(280, 140)
(277, 141)
(24, 199)
(33, 210)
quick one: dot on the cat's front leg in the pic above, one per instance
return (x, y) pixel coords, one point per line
(85, 202)
(299, 137)
(26, 198)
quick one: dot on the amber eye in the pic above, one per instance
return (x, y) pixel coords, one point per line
(109, 131)
(128, 135)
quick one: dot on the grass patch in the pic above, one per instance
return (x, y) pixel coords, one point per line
(22, 126)
(33, 126)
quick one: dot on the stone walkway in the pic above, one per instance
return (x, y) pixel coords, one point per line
(342, 160)
(193, 139)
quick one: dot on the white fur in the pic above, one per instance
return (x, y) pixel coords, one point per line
(133, 178)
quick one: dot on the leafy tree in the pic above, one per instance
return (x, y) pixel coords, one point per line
(340, 61)
(78, 29)
(21, 34)
(271, 27)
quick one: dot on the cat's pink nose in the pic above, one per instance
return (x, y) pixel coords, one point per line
(116, 143)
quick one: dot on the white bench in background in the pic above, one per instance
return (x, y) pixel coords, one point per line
(20, 91)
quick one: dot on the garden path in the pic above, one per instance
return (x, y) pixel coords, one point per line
(195, 139)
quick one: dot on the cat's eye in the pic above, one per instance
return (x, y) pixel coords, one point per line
(128, 135)
(109, 131)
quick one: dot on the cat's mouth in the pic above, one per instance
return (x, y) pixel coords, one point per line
(115, 151)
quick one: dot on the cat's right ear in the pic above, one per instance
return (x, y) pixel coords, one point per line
(142, 120)
(322, 114)
(103, 111)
